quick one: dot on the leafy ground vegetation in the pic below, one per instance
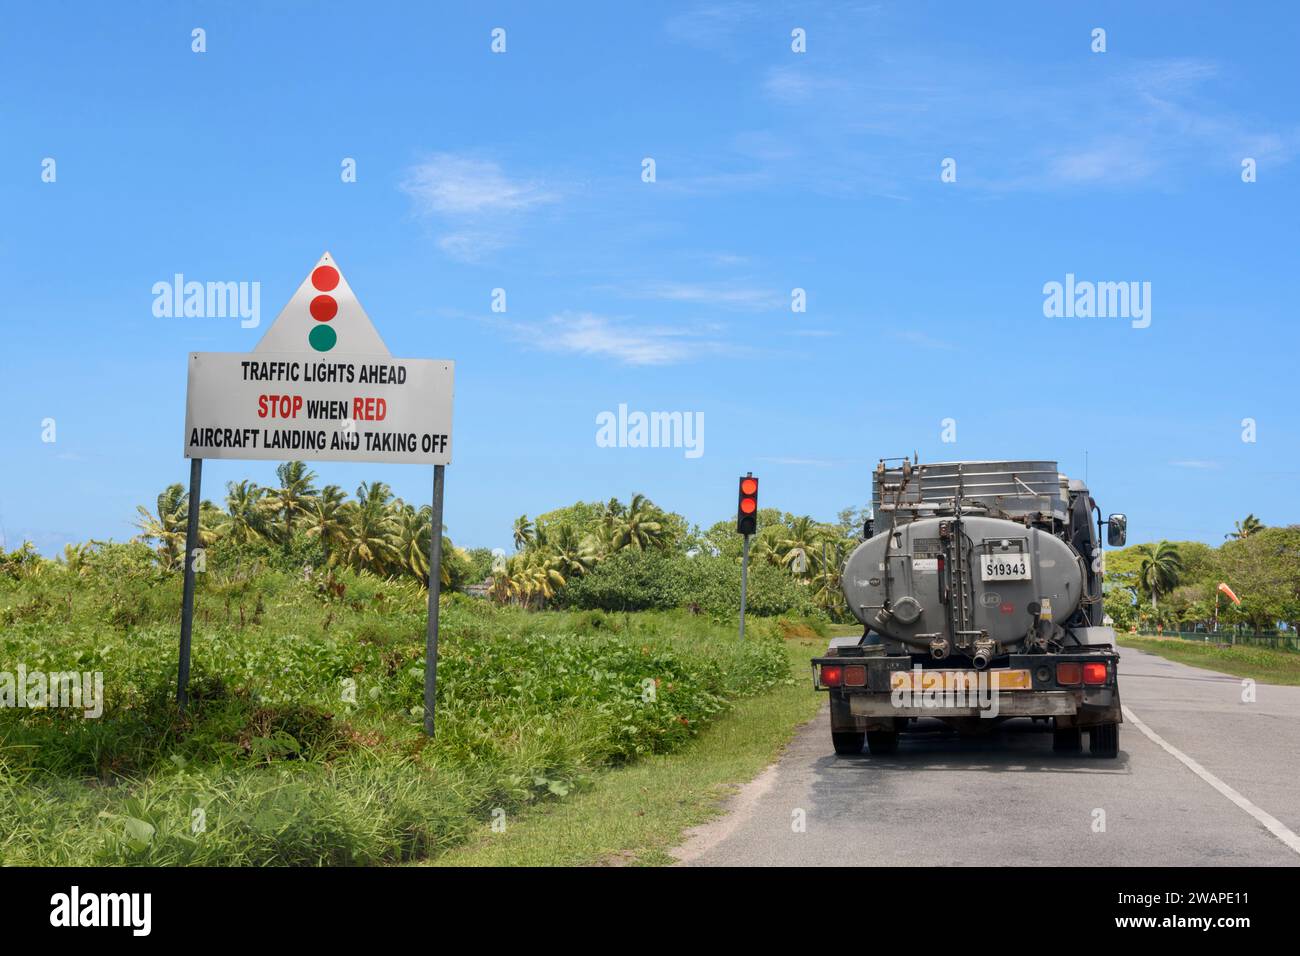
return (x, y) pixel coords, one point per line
(303, 742)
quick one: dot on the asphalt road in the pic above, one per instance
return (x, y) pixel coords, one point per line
(1220, 786)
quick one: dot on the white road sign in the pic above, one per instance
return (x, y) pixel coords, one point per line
(320, 386)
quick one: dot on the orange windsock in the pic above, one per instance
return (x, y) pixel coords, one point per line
(1228, 591)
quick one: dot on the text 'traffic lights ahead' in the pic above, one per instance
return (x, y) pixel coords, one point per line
(747, 508)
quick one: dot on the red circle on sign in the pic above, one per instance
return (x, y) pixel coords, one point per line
(748, 486)
(325, 278)
(747, 505)
(323, 308)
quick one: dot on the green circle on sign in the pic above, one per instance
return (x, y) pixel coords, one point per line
(322, 338)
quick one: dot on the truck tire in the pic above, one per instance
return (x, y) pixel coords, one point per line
(882, 741)
(1103, 740)
(847, 743)
(1066, 740)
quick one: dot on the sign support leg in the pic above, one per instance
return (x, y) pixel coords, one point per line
(187, 592)
(744, 581)
(435, 585)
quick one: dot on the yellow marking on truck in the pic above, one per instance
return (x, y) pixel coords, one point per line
(959, 680)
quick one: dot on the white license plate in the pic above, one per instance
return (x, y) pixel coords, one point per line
(1005, 567)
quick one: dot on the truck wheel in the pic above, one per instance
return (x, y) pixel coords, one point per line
(1066, 740)
(1103, 740)
(847, 742)
(882, 741)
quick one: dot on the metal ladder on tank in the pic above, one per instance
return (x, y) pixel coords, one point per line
(960, 607)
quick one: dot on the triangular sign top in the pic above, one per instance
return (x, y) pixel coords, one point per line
(323, 318)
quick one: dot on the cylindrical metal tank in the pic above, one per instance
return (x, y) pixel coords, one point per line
(962, 580)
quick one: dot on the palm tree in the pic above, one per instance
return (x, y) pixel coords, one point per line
(371, 537)
(606, 528)
(167, 525)
(506, 584)
(1161, 569)
(212, 522)
(766, 546)
(640, 527)
(524, 532)
(246, 512)
(374, 494)
(1246, 527)
(799, 545)
(574, 555)
(293, 496)
(540, 578)
(413, 532)
(827, 591)
(327, 520)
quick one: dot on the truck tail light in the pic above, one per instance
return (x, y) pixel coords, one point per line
(1094, 672)
(855, 675)
(832, 675)
(1069, 674)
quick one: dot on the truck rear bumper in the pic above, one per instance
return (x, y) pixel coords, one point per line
(1008, 704)
(878, 692)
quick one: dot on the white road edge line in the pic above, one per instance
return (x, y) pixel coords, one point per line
(1270, 822)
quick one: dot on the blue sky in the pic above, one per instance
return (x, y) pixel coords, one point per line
(775, 170)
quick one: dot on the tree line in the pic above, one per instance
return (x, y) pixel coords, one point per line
(1176, 585)
(380, 534)
(374, 532)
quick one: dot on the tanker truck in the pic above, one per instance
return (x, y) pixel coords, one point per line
(978, 585)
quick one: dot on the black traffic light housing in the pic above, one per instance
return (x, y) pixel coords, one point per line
(747, 505)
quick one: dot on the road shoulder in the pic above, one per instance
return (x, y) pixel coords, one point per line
(635, 815)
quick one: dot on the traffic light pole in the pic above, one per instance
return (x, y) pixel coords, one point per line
(744, 581)
(435, 586)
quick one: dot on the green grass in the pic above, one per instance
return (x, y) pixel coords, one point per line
(1263, 664)
(636, 814)
(303, 743)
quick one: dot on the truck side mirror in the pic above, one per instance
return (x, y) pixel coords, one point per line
(1116, 530)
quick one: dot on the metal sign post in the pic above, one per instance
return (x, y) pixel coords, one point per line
(744, 581)
(435, 586)
(187, 591)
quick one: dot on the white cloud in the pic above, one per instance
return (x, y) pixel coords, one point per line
(711, 27)
(458, 186)
(791, 84)
(585, 333)
(471, 246)
(475, 201)
(1010, 129)
(923, 340)
(724, 296)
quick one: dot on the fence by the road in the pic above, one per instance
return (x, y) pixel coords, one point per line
(1281, 641)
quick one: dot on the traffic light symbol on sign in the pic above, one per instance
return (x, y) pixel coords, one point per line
(747, 507)
(323, 308)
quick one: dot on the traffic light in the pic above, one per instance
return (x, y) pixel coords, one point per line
(747, 507)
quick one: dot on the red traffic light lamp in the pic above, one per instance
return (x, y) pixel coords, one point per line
(747, 506)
